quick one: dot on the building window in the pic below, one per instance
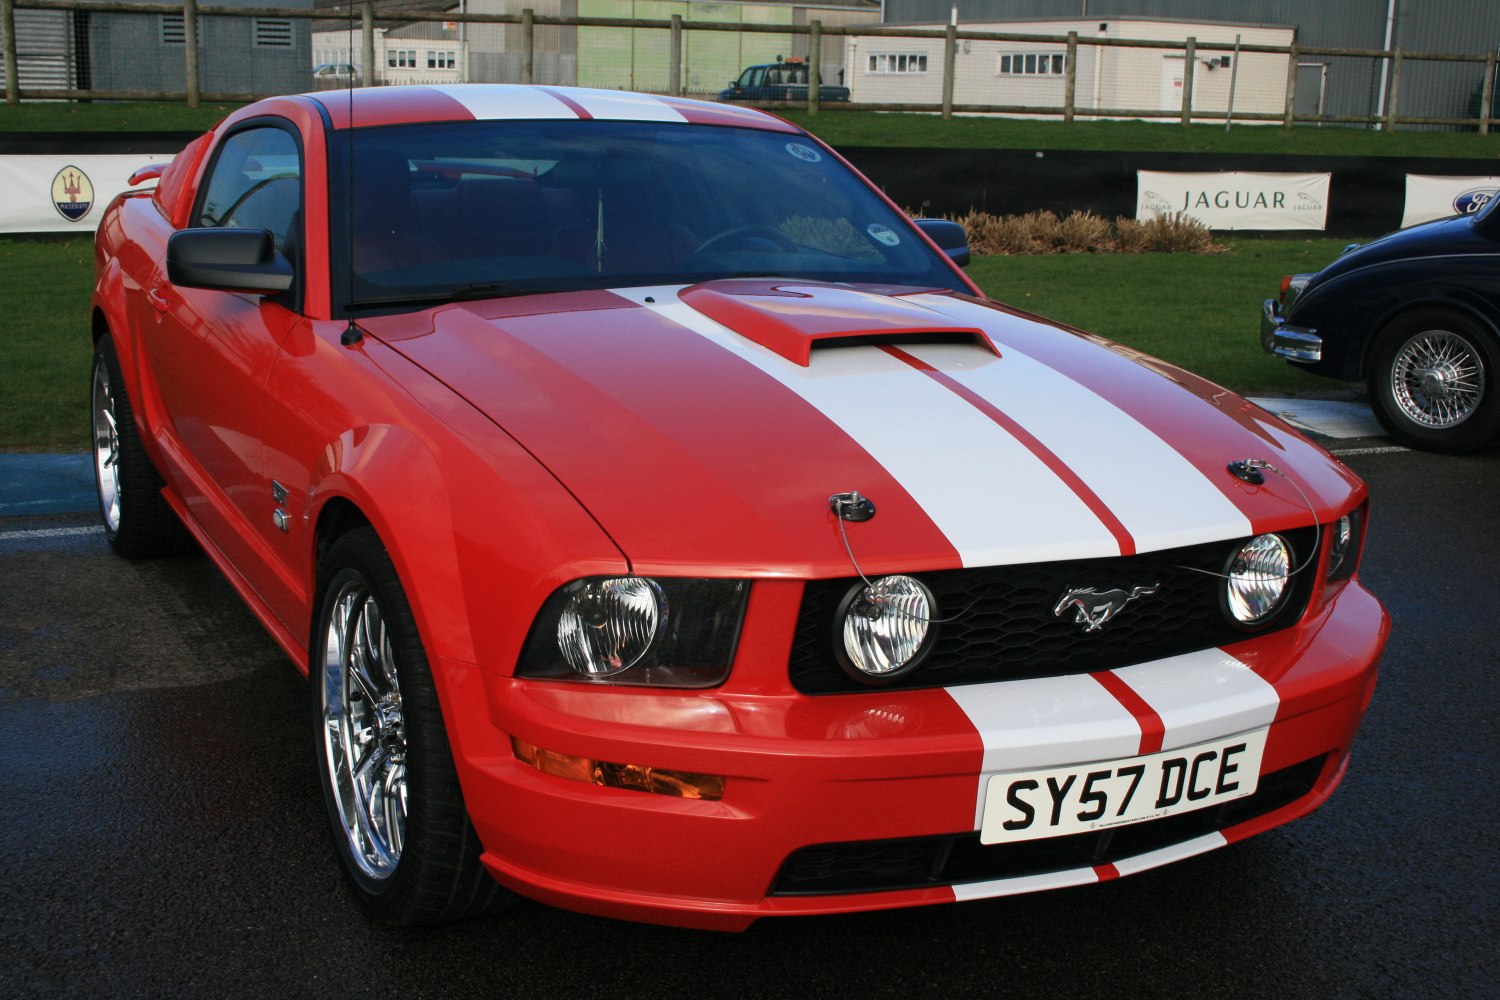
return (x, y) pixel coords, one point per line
(172, 31)
(273, 33)
(442, 60)
(1031, 64)
(401, 58)
(900, 62)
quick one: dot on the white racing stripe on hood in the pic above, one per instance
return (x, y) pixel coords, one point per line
(502, 102)
(994, 500)
(1158, 495)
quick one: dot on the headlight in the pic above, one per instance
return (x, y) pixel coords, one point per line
(887, 628)
(1343, 545)
(1259, 578)
(637, 630)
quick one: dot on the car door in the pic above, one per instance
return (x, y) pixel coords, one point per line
(212, 350)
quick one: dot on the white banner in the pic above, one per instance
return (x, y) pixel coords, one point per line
(1429, 197)
(64, 193)
(1235, 199)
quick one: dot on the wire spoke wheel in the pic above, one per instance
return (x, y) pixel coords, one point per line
(364, 731)
(1437, 379)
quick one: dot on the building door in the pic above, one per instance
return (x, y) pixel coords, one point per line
(1171, 83)
(1312, 88)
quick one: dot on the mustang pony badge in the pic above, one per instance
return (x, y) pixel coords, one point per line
(1095, 607)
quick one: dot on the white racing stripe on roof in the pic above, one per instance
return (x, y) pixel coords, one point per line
(617, 106)
(993, 500)
(1158, 495)
(501, 102)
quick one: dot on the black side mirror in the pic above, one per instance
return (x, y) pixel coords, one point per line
(950, 238)
(243, 260)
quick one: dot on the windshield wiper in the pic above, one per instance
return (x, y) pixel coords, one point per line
(459, 293)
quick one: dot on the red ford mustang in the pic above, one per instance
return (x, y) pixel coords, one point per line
(671, 531)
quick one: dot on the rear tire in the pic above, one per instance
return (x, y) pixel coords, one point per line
(1432, 381)
(385, 765)
(137, 519)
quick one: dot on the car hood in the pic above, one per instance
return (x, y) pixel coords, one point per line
(706, 427)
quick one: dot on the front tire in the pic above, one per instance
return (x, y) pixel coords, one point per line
(385, 766)
(137, 520)
(1432, 381)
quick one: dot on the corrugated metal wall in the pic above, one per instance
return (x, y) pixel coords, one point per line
(44, 53)
(1352, 86)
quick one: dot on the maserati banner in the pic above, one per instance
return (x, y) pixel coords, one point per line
(1429, 197)
(1236, 199)
(63, 193)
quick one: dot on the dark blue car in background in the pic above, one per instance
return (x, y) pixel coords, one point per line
(1416, 316)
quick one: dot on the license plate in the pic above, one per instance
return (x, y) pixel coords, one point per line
(1057, 801)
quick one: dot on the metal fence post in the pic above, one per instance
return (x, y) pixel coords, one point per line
(1487, 97)
(1294, 56)
(528, 46)
(12, 73)
(674, 85)
(1390, 104)
(367, 42)
(190, 49)
(1189, 61)
(950, 59)
(814, 66)
(1070, 66)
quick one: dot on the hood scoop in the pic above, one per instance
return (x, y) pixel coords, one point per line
(792, 317)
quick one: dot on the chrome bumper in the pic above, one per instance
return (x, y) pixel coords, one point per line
(1287, 341)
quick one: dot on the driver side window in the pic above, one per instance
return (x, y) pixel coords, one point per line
(256, 184)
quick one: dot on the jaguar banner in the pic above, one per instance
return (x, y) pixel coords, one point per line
(1235, 199)
(63, 193)
(1429, 197)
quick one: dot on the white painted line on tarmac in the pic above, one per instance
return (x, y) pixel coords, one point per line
(6, 536)
(1382, 450)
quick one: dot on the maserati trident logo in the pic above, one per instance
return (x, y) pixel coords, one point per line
(1095, 607)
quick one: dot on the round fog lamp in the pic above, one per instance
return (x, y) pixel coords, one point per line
(609, 624)
(1258, 577)
(886, 627)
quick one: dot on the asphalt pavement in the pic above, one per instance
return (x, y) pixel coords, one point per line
(163, 833)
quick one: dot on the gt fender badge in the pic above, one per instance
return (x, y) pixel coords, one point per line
(1095, 607)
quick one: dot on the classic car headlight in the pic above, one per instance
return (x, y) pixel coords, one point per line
(1257, 583)
(666, 632)
(1343, 545)
(887, 627)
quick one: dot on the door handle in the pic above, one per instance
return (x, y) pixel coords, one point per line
(158, 299)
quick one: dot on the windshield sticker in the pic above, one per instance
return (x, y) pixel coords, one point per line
(882, 233)
(802, 152)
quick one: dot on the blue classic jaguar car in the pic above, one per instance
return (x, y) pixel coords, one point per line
(1416, 316)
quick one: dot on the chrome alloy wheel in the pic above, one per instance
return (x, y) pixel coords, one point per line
(106, 447)
(1437, 379)
(364, 731)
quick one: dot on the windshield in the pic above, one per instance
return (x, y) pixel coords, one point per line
(499, 207)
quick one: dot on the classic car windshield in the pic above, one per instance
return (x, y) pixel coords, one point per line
(499, 207)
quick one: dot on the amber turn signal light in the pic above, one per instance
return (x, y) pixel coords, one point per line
(637, 777)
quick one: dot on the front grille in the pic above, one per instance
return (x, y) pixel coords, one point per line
(885, 865)
(1003, 628)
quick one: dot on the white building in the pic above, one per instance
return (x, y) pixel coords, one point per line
(419, 52)
(895, 70)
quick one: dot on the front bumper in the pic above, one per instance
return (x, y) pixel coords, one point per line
(1292, 343)
(851, 775)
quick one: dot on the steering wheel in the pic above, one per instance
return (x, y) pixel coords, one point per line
(747, 234)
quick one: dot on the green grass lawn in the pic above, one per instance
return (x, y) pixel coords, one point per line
(1200, 312)
(843, 127)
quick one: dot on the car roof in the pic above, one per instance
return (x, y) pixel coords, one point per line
(371, 106)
